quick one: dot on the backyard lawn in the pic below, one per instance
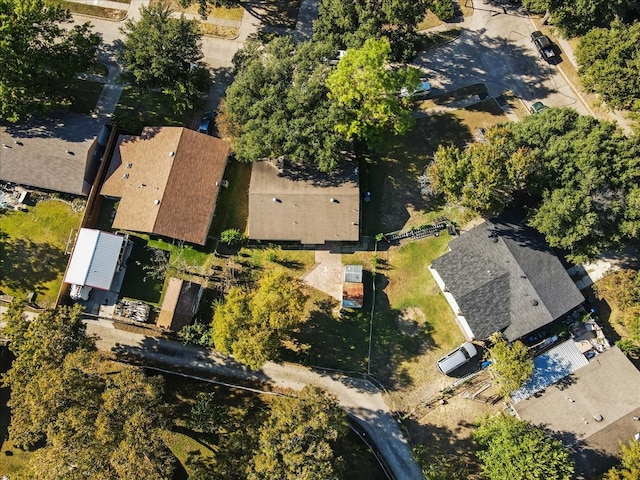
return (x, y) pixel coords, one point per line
(138, 109)
(412, 325)
(32, 246)
(232, 208)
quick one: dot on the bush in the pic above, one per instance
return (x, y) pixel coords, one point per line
(231, 236)
(444, 10)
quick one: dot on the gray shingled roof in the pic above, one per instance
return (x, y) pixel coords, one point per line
(504, 276)
(50, 153)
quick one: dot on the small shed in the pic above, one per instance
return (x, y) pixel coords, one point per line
(181, 300)
(352, 287)
(96, 259)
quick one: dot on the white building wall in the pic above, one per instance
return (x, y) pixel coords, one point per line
(460, 320)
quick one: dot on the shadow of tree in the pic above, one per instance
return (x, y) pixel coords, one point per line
(25, 265)
(274, 14)
(392, 175)
(451, 449)
(590, 461)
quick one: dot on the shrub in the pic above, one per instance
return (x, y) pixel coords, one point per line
(444, 10)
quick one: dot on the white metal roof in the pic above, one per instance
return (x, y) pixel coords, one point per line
(551, 367)
(94, 259)
(353, 273)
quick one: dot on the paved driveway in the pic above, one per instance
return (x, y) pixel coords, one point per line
(495, 48)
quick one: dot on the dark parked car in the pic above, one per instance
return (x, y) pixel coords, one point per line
(538, 107)
(543, 44)
(206, 124)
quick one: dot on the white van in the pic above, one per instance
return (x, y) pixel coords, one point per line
(457, 358)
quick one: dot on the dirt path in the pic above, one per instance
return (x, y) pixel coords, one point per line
(358, 397)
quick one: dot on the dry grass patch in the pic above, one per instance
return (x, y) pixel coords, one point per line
(226, 13)
(219, 30)
(92, 10)
(515, 104)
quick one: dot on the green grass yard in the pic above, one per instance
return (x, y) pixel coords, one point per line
(404, 283)
(138, 109)
(232, 209)
(32, 246)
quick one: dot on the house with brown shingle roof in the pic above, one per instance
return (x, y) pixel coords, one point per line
(167, 181)
(298, 203)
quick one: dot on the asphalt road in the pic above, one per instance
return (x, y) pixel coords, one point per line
(358, 397)
(495, 48)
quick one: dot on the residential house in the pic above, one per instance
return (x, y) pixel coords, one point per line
(592, 410)
(300, 204)
(502, 276)
(180, 303)
(167, 181)
(60, 154)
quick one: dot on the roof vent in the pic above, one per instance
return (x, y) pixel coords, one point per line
(276, 200)
(125, 176)
(333, 200)
(172, 153)
(494, 239)
(128, 165)
(534, 303)
(523, 276)
(156, 202)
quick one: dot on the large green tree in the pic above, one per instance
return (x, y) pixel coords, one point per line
(621, 289)
(298, 440)
(39, 53)
(348, 24)
(83, 418)
(609, 62)
(511, 449)
(484, 176)
(368, 89)
(581, 176)
(511, 364)
(162, 51)
(277, 105)
(251, 325)
(577, 17)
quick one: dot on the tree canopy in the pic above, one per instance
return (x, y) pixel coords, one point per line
(511, 364)
(297, 442)
(251, 324)
(344, 24)
(622, 290)
(577, 17)
(83, 417)
(161, 51)
(511, 449)
(39, 54)
(580, 173)
(629, 468)
(609, 62)
(368, 90)
(277, 104)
